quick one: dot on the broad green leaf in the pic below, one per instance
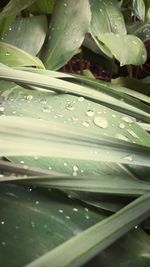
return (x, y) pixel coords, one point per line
(4, 25)
(13, 56)
(106, 18)
(68, 26)
(97, 237)
(100, 184)
(36, 221)
(42, 7)
(97, 93)
(139, 8)
(27, 33)
(14, 7)
(127, 49)
(24, 136)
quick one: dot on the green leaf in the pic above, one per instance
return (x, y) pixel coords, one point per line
(139, 8)
(4, 25)
(97, 92)
(42, 7)
(97, 237)
(27, 33)
(127, 49)
(34, 140)
(101, 184)
(131, 250)
(14, 7)
(106, 18)
(39, 220)
(13, 56)
(65, 38)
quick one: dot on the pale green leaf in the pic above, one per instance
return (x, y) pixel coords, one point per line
(127, 49)
(13, 56)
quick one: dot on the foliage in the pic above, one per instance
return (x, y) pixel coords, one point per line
(75, 151)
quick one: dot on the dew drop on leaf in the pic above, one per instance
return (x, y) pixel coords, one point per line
(121, 137)
(75, 209)
(127, 119)
(81, 99)
(70, 107)
(75, 168)
(121, 126)
(128, 157)
(85, 124)
(101, 122)
(132, 133)
(61, 211)
(2, 109)
(90, 113)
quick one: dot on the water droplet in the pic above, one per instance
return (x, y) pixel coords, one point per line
(2, 109)
(90, 113)
(36, 158)
(7, 54)
(86, 209)
(67, 217)
(37, 202)
(121, 137)
(113, 115)
(32, 224)
(87, 217)
(49, 167)
(2, 222)
(127, 119)
(70, 107)
(43, 101)
(61, 211)
(132, 133)
(75, 209)
(75, 168)
(29, 97)
(74, 118)
(22, 162)
(65, 5)
(128, 157)
(101, 122)
(3, 243)
(121, 126)
(85, 124)
(46, 109)
(134, 42)
(81, 99)
(65, 164)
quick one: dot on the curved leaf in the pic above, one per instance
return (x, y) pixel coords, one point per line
(27, 33)
(13, 56)
(127, 49)
(69, 24)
